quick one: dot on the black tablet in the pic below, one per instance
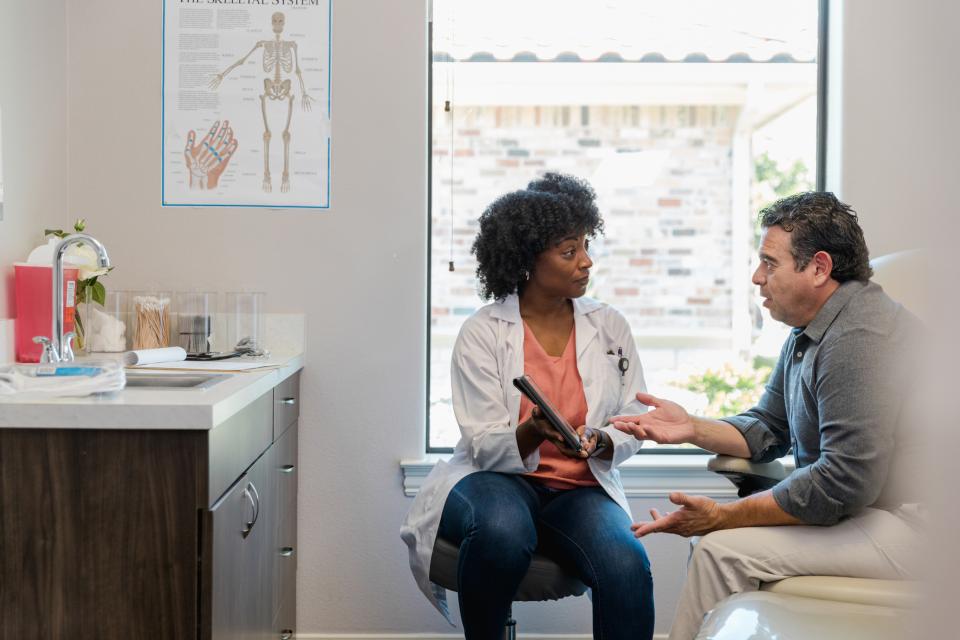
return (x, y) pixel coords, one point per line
(530, 389)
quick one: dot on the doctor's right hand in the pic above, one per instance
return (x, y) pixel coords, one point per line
(545, 431)
(666, 423)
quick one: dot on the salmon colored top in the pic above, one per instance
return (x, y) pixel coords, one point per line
(559, 380)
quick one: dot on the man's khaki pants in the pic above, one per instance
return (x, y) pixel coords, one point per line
(873, 544)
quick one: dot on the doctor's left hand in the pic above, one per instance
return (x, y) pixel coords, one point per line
(696, 516)
(588, 440)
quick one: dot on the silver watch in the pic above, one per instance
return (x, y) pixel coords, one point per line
(602, 439)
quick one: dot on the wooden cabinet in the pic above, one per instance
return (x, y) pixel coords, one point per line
(240, 528)
(143, 534)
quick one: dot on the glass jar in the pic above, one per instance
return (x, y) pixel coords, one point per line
(105, 326)
(197, 321)
(150, 313)
(245, 321)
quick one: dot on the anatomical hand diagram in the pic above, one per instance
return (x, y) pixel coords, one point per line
(207, 160)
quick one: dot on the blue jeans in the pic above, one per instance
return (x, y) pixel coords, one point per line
(500, 519)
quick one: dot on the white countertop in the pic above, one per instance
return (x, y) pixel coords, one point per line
(145, 408)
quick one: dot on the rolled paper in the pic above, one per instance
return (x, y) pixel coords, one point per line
(154, 356)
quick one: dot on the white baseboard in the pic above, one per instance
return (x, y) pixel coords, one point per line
(444, 636)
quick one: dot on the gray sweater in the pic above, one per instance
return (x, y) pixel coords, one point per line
(838, 397)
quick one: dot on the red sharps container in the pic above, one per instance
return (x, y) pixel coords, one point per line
(33, 293)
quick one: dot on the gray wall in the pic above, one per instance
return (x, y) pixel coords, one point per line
(358, 271)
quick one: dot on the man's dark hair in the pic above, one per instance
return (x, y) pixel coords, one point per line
(818, 221)
(520, 225)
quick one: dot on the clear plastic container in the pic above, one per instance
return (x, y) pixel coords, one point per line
(245, 320)
(150, 316)
(197, 317)
(105, 326)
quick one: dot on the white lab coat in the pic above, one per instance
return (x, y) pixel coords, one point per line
(487, 356)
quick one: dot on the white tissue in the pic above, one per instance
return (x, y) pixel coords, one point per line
(103, 332)
(154, 356)
(44, 253)
(22, 380)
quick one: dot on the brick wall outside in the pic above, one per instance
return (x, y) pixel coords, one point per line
(665, 260)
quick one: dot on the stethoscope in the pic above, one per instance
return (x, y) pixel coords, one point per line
(623, 363)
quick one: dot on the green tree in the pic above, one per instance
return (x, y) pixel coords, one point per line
(731, 390)
(783, 182)
(771, 182)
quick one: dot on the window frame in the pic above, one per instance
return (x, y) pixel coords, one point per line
(823, 12)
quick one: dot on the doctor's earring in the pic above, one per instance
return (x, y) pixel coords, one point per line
(526, 275)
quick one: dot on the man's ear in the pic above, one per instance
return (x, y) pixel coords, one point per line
(822, 265)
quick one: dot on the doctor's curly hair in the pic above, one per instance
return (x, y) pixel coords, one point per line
(520, 225)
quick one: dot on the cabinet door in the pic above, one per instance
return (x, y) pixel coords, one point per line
(243, 534)
(285, 563)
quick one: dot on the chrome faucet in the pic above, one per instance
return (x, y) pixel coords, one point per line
(57, 347)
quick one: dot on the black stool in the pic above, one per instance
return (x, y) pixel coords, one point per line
(545, 580)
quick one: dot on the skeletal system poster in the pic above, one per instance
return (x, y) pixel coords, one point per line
(246, 103)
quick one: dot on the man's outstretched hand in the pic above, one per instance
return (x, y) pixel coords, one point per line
(696, 516)
(666, 423)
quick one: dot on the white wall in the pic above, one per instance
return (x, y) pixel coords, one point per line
(33, 107)
(899, 168)
(899, 128)
(358, 271)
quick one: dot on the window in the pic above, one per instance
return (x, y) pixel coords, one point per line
(686, 116)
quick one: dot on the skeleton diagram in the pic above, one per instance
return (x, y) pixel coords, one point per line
(279, 59)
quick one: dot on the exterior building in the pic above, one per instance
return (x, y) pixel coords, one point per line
(671, 148)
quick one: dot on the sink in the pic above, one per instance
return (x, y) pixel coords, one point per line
(138, 380)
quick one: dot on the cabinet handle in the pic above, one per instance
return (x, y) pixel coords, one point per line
(287, 468)
(248, 524)
(286, 634)
(256, 497)
(289, 401)
(251, 494)
(286, 552)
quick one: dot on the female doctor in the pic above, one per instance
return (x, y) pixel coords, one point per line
(512, 486)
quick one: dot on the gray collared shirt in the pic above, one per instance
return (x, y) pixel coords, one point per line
(836, 397)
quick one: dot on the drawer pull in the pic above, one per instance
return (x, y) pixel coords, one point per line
(286, 634)
(290, 401)
(286, 552)
(287, 468)
(249, 492)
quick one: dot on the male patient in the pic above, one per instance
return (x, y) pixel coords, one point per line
(837, 396)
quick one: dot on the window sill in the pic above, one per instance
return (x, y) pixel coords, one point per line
(646, 476)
